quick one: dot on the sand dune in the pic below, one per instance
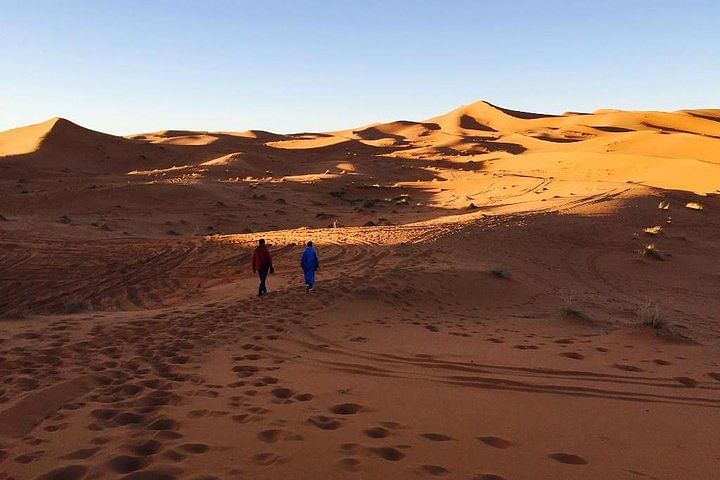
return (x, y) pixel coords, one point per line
(502, 295)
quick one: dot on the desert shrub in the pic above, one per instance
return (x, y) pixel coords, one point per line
(651, 251)
(500, 272)
(568, 305)
(650, 315)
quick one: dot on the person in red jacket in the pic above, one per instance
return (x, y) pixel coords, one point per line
(262, 264)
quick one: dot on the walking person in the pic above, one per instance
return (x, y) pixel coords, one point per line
(309, 263)
(262, 265)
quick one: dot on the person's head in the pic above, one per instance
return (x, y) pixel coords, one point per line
(261, 242)
(309, 244)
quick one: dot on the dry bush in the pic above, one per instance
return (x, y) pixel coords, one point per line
(569, 308)
(500, 272)
(651, 251)
(650, 314)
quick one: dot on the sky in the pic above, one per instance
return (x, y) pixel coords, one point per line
(136, 66)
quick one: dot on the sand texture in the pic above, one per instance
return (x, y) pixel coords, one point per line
(503, 295)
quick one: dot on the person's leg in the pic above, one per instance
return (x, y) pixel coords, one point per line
(310, 279)
(263, 276)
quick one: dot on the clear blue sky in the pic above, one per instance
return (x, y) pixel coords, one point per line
(132, 66)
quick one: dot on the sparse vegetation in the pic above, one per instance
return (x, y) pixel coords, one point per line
(650, 314)
(651, 251)
(500, 272)
(568, 305)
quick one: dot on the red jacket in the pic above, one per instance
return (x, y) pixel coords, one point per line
(261, 259)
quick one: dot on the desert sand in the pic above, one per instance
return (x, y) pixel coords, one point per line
(502, 295)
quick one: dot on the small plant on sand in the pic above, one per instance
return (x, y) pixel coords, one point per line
(651, 251)
(650, 315)
(569, 308)
(500, 272)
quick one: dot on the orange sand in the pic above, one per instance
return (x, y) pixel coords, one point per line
(475, 317)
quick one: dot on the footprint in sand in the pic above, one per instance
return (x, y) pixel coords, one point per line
(276, 435)
(573, 355)
(387, 453)
(488, 476)
(432, 470)
(436, 437)
(346, 409)
(376, 432)
(568, 458)
(496, 442)
(69, 472)
(324, 423)
(282, 393)
(267, 459)
(163, 424)
(127, 464)
(144, 449)
(195, 448)
(174, 456)
(28, 457)
(129, 418)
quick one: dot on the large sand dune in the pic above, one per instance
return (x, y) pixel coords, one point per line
(485, 307)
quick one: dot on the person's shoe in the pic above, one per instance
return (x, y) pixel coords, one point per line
(310, 288)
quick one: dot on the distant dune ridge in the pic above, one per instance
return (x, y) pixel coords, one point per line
(473, 129)
(502, 295)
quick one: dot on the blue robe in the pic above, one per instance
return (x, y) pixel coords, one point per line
(309, 263)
